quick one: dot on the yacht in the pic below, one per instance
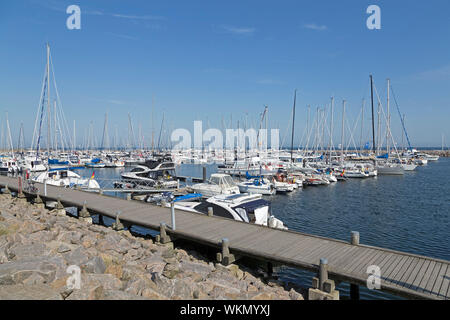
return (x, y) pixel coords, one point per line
(153, 173)
(65, 178)
(390, 169)
(257, 185)
(9, 165)
(250, 208)
(33, 164)
(219, 183)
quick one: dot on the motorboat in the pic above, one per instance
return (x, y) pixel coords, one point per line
(257, 184)
(9, 166)
(354, 173)
(33, 164)
(390, 169)
(154, 173)
(66, 178)
(95, 163)
(219, 183)
(250, 208)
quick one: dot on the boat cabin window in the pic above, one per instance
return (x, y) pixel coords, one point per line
(229, 181)
(217, 210)
(137, 170)
(215, 180)
(63, 174)
(51, 174)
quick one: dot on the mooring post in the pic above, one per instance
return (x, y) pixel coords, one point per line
(117, 225)
(172, 212)
(204, 173)
(226, 256)
(38, 202)
(162, 237)
(84, 214)
(323, 272)
(354, 238)
(210, 212)
(45, 187)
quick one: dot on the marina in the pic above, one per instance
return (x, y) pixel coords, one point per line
(224, 151)
(409, 275)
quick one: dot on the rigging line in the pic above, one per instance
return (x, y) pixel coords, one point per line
(401, 118)
(67, 133)
(40, 123)
(37, 111)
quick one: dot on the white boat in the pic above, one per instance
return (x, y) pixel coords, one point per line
(257, 185)
(219, 183)
(65, 178)
(9, 165)
(390, 169)
(432, 157)
(33, 164)
(153, 173)
(283, 187)
(241, 207)
(114, 163)
(355, 173)
(409, 166)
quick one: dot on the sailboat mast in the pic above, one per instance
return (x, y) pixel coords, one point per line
(56, 127)
(373, 119)
(331, 129)
(74, 137)
(293, 126)
(362, 125)
(48, 101)
(388, 118)
(343, 131)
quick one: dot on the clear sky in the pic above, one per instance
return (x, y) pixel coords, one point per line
(204, 60)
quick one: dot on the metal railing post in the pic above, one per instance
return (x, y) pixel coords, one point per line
(172, 209)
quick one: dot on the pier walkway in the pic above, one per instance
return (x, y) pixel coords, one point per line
(403, 274)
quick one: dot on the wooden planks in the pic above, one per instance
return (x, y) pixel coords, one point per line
(400, 272)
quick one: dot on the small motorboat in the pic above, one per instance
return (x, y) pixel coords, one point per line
(257, 184)
(219, 183)
(66, 178)
(250, 208)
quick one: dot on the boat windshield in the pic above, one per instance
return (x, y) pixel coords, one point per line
(228, 181)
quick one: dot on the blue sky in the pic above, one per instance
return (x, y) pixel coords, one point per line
(204, 60)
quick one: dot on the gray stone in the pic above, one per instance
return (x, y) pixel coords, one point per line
(120, 295)
(16, 272)
(199, 268)
(22, 251)
(76, 257)
(28, 292)
(94, 265)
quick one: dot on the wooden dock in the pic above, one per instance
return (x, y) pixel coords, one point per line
(404, 274)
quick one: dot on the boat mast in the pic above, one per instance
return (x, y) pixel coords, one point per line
(388, 119)
(293, 122)
(362, 124)
(331, 129)
(48, 101)
(73, 142)
(373, 119)
(343, 131)
(56, 128)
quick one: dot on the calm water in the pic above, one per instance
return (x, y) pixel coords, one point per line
(409, 213)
